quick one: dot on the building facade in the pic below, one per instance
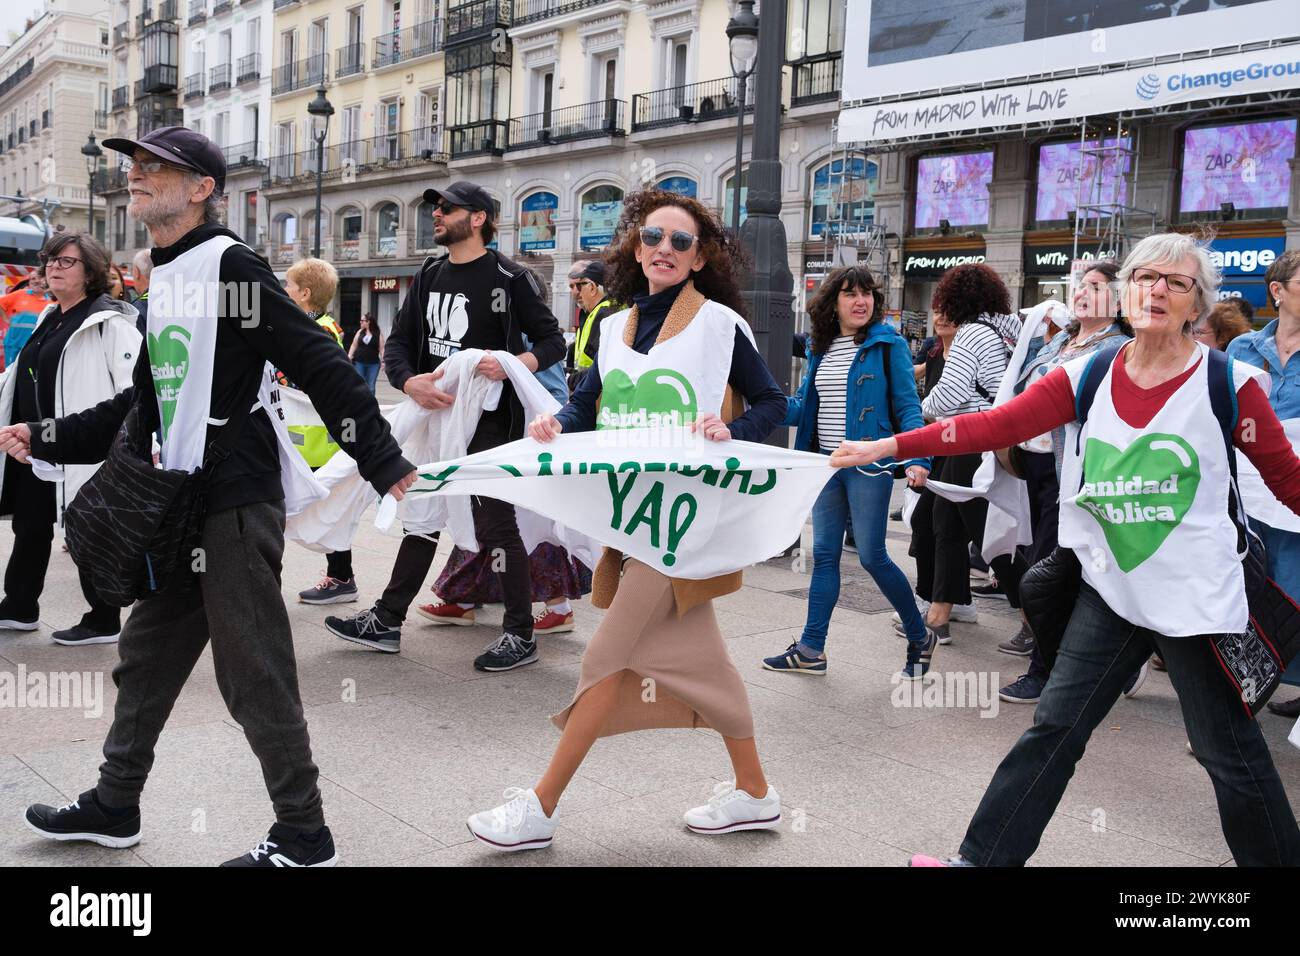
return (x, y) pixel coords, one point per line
(53, 93)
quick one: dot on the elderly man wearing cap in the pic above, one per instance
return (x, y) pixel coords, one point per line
(587, 286)
(217, 316)
(473, 297)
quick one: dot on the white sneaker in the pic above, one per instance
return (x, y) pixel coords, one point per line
(965, 613)
(730, 809)
(518, 824)
(922, 606)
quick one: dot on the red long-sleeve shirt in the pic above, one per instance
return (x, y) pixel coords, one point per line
(1049, 403)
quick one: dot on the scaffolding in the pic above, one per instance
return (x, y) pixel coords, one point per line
(851, 234)
(1104, 213)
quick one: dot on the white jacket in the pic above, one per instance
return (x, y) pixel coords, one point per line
(96, 364)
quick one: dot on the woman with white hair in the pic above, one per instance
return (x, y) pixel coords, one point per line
(1144, 498)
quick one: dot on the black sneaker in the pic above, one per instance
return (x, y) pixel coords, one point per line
(896, 514)
(1025, 690)
(10, 621)
(85, 819)
(80, 634)
(509, 651)
(990, 590)
(366, 628)
(330, 591)
(918, 656)
(1022, 645)
(289, 846)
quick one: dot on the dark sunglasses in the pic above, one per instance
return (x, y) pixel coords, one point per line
(681, 240)
(445, 207)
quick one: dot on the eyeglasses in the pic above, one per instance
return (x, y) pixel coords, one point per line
(445, 207)
(681, 240)
(150, 166)
(63, 262)
(580, 284)
(1147, 278)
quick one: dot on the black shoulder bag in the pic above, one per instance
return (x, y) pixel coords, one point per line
(135, 529)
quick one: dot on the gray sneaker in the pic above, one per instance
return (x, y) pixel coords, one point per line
(1022, 645)
(506, 653)
(330, 591)
(940, 631)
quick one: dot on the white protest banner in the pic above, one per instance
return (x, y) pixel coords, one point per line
(1260, 503)
(687, 507)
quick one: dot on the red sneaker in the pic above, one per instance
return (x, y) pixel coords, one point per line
(551, 622)
(447, 614)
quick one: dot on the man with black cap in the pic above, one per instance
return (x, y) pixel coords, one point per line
(587, 286)
(217, 316)
(473, 297)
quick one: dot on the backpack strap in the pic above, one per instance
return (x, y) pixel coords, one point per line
(1223, 400)
(1099, 364)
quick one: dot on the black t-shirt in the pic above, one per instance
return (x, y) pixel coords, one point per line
(38, 362)
(466, 309)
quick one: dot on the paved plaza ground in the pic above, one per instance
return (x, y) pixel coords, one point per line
(409, 745)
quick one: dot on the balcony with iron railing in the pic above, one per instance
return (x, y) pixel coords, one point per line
(17, 76)
(222, 6)
(349, 60)
(143, 19)
(167, 10)
(101, 119)
(586, 121)
(110, 180)
(249, 68)
(281, 4)
(311, 71)
(243, 156)
(484, 138)
(198, 12)
(121, 97)
(530, 11)
(219, 78)
(477, 18)
(691, 103)
(423, 39)
(121, 33)
(816, 79)
(194, 87)
(160, 78)
(153, 112)
(405, 148)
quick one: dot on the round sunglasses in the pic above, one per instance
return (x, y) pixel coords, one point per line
(680, 239)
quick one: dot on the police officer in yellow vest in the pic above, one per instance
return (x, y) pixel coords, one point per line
(587, 286)
(311, 283)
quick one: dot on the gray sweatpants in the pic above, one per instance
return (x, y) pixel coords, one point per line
(240, 609)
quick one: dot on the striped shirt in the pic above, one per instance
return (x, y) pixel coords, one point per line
(978, 357)
(832, 385)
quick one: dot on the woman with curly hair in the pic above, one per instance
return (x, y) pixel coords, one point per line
(1224, 323)
(859, 381)
(657, 658)
(974, 299)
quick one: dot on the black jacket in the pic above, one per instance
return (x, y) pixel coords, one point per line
(406, 351)
(280, 333)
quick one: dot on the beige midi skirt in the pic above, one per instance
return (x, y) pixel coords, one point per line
(675, 671)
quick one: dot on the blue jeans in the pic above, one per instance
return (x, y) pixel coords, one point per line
(370, 372)
(1099, 653)
(1283, 567)
(866, 498)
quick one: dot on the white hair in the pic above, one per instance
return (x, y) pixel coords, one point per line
(142, 263)
(1170, 247)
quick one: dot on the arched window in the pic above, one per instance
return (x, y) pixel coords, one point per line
(537, 222)
(348, 240)
(598, 216)
(387, 217)
(682, 185)
(424, 225)
(843, 197)
(286, 228)
(729, 197)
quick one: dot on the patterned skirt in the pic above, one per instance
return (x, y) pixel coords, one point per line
(468, 576)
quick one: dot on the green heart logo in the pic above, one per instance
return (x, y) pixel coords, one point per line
(169, 361)
(661, 396)
(1139, 495)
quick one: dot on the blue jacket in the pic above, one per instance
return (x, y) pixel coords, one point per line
(866, 403)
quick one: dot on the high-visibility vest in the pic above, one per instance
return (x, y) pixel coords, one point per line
(313, 441)
(580, 357)
(326, 321)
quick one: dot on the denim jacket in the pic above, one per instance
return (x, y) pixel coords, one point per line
(867, 404)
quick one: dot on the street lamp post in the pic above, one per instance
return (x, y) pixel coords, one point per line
(321, 110)
(92, 152)
(742, 38)
(769, 296)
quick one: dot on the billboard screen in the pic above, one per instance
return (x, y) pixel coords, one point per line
(1068, 176)
(908, 47)
(953, 187)
(1245, 164)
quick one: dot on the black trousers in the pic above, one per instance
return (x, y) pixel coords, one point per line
(35, 512)
(955, 527)
(1044, 512)
(498, 535)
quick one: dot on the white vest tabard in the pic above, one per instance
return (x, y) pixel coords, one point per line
(1150, 523)
(185, 298)
(676, 382)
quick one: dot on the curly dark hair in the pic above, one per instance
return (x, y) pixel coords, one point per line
(94, 259)
(966, 292)
(823, 311)
(725, 260)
